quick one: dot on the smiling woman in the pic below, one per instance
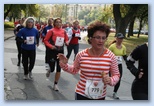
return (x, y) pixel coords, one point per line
(95, 64)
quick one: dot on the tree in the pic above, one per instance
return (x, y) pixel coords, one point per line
(123, 14)
(15, 10)
(44, 11)
(141, 16)
(58, 10)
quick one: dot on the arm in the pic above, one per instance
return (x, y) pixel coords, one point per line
(124, 56)
(18, 38)
(131, 60)
(114, 72)
(66, 39)
(37, 38)
(47, 38)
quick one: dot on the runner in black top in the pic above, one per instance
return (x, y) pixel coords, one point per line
(18, 43)
(140, 84)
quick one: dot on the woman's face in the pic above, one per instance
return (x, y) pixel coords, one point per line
(119, 40)
(50, 21)
(30, 23)
(58, 24)
(76, 24)
(98, 40)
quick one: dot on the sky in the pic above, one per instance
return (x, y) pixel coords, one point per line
(150, 102)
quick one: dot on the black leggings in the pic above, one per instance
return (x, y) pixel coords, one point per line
(116, 87)
(19, 50)
(28, 57)
(71, 47)
(52, 60)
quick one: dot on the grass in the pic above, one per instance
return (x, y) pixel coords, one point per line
(8, 25)
(130, 43)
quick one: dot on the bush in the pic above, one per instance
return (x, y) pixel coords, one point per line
(8, 25)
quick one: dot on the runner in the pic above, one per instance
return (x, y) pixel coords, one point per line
(55, 40)
(29, 37)
(93, 64)
(120, 51)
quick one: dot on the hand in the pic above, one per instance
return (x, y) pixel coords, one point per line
(25, 41)
(106, 79)
(67, 43)
(62, 58)
(140, 74)
(53, 47)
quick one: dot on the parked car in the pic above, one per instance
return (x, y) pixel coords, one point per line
(134, 31)
(113, 30)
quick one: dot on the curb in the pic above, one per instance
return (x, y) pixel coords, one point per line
(8, 37)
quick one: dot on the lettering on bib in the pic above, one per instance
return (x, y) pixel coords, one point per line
(94, 88)
(77, 35)
(119, 59)
(30, 40)
(59, 41)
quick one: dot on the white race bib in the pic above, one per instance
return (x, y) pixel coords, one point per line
(30, 40)
(119, 59)
(77, 35)
(94, 89)
(59, 41)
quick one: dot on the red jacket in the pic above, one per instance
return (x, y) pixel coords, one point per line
(55, 33)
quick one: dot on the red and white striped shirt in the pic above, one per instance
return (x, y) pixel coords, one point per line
(91, 67)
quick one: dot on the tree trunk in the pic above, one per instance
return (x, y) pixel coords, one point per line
(140, 27)
(131, 26)
(7, 12)
(122, 22)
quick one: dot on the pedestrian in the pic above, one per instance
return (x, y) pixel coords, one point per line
(29, 37)
(74, 41)
(45, 30)
(120, 52)
(55, 40)
(18, 43)
(139, 88)
(93, 64)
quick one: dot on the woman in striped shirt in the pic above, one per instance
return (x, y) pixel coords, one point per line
(93, 65)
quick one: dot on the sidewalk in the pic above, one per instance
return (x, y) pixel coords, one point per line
(8, 34)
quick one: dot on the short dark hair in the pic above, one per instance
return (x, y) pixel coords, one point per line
(97, 26)
(56, 20)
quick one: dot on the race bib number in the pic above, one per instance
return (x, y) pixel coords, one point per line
(59, 41)
(119, 59)
(30, 40)
(77, 35)
(94, 89)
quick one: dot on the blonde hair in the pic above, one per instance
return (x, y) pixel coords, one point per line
(25, 22)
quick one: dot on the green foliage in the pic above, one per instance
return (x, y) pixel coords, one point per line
(8, 25)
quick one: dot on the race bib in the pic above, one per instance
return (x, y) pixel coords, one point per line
(119, 59)
(77, 35)
(30, 40)
(94, 89)
(59, 41)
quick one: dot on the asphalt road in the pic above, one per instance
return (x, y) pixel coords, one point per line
(40, 88)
